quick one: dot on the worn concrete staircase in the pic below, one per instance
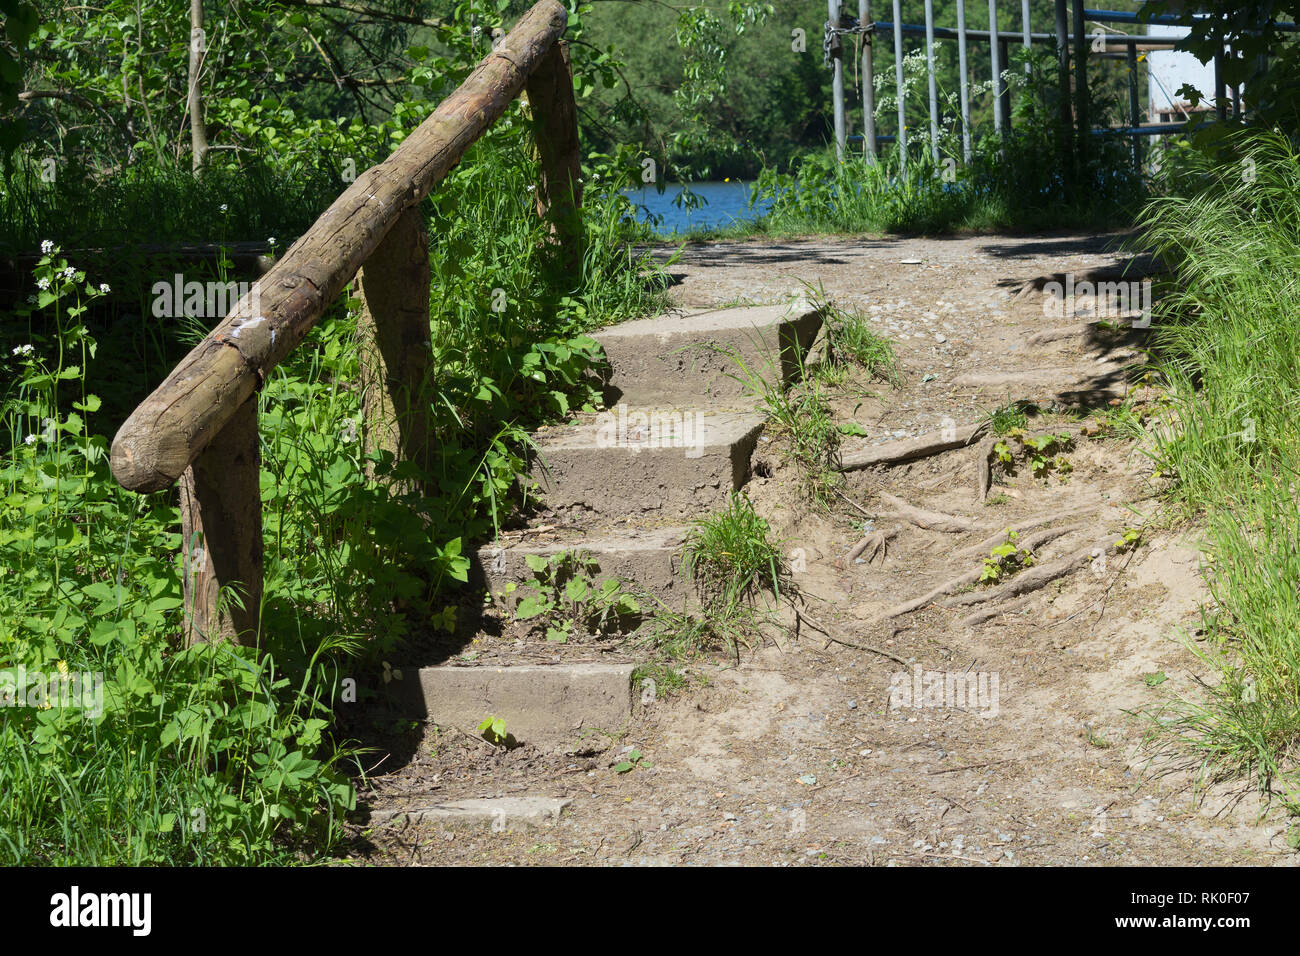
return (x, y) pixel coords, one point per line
(677, 437)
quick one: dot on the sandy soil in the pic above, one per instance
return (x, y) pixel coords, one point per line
(796, 756)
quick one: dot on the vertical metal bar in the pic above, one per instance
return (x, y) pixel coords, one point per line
(898, 76)
(837, 78)
(869, 147)
(1081, 80)
(1220, 95)
(1024, 19)
(965, 80)
(1134, 119)
(1005, 95)
(934, 88)
(998, 119)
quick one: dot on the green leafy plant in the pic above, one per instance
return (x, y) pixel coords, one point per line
(1039, 452)
(1129, 539)
(631, 761)
(1005, 560)
(493, 730)
(565, 600)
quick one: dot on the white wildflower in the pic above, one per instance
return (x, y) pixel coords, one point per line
(24, 350)
(29, 440)
(224, 207)
(103, 287)
(69, 272)
(47, 246)
(43, 283)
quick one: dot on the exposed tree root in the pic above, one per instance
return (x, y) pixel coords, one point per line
(969, 577)
(1027, 525)
(987, 613)
(893, 453)
(1033, 578)
(876, 542)
(984, 463)
(929, 520)
(973, 576)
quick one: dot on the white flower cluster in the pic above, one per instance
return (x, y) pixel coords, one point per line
(24, 350)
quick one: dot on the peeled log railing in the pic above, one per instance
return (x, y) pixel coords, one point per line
(199, 427)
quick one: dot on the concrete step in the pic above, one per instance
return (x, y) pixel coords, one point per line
(678, 354)
(551, 706)
(675, 462)
(648, 557)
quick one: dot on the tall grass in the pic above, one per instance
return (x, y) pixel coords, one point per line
(1228, 336)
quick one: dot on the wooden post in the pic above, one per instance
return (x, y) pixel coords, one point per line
(837, 78)
(395, 352)
(221, 528)
(555, 115)
(869, 146)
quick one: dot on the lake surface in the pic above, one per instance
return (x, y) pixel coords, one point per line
(728, 202)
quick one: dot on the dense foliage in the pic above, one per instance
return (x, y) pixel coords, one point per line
(223, 754)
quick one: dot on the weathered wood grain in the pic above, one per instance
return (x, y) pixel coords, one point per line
(393, 347)
(221, 531)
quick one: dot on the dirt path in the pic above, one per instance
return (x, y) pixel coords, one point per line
(796, 755)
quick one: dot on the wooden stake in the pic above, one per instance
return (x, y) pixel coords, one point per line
(221, 527)
(394, 349)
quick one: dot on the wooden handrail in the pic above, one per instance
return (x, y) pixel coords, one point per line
(199, 427)
(169, 429)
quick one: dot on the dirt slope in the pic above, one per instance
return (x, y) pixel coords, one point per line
(796, 755)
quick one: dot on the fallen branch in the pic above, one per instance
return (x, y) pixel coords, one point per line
(893, 453)
(929, 520)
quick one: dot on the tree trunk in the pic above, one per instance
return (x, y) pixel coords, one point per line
(198, 50)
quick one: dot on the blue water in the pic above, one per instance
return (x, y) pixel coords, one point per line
(728, 202)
